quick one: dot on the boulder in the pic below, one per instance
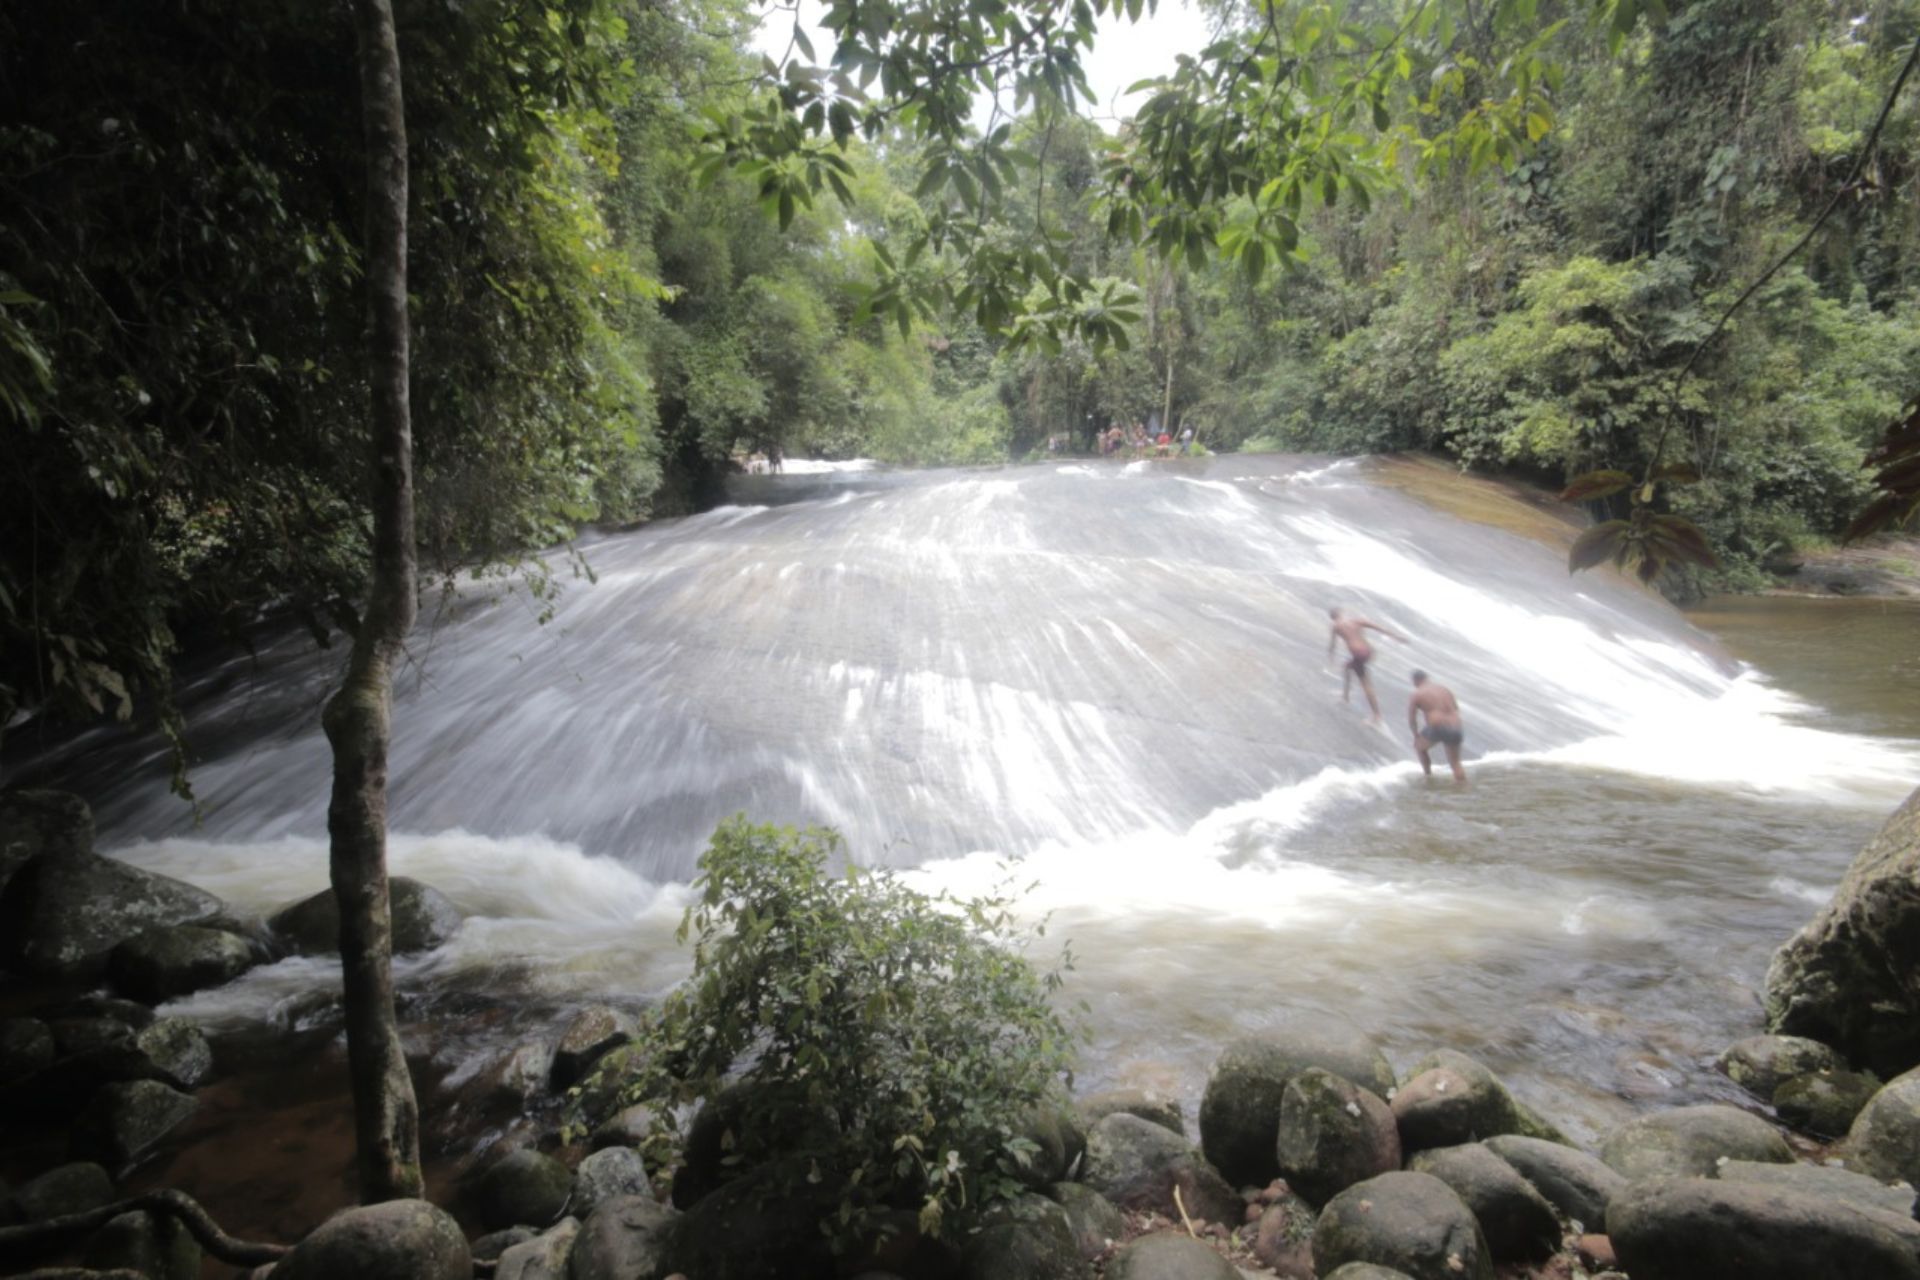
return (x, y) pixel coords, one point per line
(42, 823)
(165, 964)
(1580, 1186)
(1517, 1221)
(122, 1122)
(1091, 1216)
(177, 1047)
(1758, 1064)
(1411, 1222)
(1332, 1134)
(423, 918)
(1240, 1109)
(1825, 1103)
(512, 1081)
(1283, 1240)
(61, 915)
(522, 1188)
(1691, 1141)
(1031, 1239)
(1688, 1228)
(624, 1239)
(542, 1258)
(1058, 1139)
(587, 1038)
(628, 1127)
(1168, 1256)
(1885, 1138)
(397, 1240)
(1824, 1180)
(26, 1048)
(609, 1172)
(70, 1188)
(763, 1225)
(112, 1008)
(1450, 1099)
(490, 1246)
(1137, 1165)
(1846, 979)
(1145, 1103)
(155, 1245)
(744, 1126)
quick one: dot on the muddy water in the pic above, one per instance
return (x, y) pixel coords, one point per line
(1117, 678)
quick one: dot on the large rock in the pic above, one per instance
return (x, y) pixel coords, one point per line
(397, 1240)
(1160, 1108)
(1885, 1138)
(523, 1187)
(1059, 1140)
(624, 1239)
(744, 1126)
(587, 1038)
(1411, 1222)
(37, 823)
(1703, 1229)
(26, 1048)
(1167, 1256)
(164, 964)
(1517, 1221)
(1846, 979)
(157, 1246)
(1137, 1165)
(70, 1188)
(1824, 1102)
(1577, 1184)
(1691, 1141)
(1032, 1239)
(61, 914)
(542, 1258)
(1823, 1180)
(609, 1172)
(1333, 1133)
(764, 1225)
(423, 918)
(177, 1047)
(1450, 1099)
(1091, 1216)
(1240, 1110)
(1758, 1064)
(122, 1122)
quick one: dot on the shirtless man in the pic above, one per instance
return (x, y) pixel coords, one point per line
(1353, 630)
(1443, 727)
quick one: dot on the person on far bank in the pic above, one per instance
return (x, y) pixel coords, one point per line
(1443, 728)
(1353, 630)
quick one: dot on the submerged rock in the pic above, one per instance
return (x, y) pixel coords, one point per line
(423, 918)
(165, 964)
(1691, 1141)
(397, 1240)
(1846, 979)
(1240, 1110)
(1411, 1222)
(62, 914)
(1703, 1229)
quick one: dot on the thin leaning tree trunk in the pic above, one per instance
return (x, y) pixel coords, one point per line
(358, 717)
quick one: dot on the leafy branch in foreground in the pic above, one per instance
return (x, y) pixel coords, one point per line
(876, 1045)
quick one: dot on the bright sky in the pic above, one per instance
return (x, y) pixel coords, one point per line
(1124, 53)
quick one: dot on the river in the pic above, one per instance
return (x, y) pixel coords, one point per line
(1115, 675)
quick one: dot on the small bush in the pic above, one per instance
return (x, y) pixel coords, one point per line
(891, 1043)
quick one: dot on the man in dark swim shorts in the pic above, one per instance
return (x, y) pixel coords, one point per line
(1353, 630)
(1443, 727)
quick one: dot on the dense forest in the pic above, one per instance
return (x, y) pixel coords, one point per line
(606, 317)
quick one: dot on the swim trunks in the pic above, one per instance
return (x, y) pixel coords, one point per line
(1358, 663)
(1442, 735)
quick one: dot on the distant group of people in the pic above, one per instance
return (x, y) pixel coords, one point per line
(1117, 439)
(1431, 700)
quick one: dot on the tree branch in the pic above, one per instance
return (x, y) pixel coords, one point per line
(241, 1253)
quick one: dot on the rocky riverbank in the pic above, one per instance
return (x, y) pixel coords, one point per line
(1309, 1155)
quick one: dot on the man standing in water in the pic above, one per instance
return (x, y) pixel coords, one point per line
(1353, 630)
(1443, 727)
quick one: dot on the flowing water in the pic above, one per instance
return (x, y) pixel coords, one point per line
(1117, 676)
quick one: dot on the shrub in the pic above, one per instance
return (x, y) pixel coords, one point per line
(892, 1042)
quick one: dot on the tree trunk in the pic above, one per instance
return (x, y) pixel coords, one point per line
(357, 718)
